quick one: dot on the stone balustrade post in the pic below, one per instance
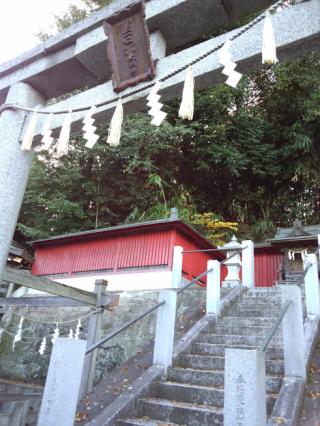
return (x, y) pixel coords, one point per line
(248, 263)
(293, 335)
(60, 396)
(165, 328)
(312, 288)
(176, 267)
(244, 388)
(213, 288)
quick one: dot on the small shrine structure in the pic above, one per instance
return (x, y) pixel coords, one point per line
(295, 243)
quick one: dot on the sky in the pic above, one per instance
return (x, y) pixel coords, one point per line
(21, 19)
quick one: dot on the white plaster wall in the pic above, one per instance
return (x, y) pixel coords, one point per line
(129, 281)
(152, 280)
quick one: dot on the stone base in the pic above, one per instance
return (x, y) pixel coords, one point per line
(230, 283)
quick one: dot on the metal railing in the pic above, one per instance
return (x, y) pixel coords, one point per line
(154, 308)
(213, 250)
(194, 281)
(275, 325)
(233, 255)
(124, 327)
(303, 275)
(284, 310)
(143, 315)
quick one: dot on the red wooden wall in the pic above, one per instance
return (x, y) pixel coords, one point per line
(267, 262)
(143, 250)
(152, 249)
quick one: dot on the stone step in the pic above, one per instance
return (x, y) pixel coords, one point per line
(251, 321)
(264, 291)
(264, 295)
(144, 422)
(193, 394)
(187, 414)
(263, 302)
(291, 278)
(247, 313)
(208, 362)
(180, 412)
(235, 340)
(185, 392)
(242, 331)
(219, 350)
(212, 378)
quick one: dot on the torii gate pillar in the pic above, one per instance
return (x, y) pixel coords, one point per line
(15, 164)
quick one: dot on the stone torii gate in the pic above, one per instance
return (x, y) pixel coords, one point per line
(77, 58)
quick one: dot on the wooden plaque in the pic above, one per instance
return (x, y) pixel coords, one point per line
(129, 47)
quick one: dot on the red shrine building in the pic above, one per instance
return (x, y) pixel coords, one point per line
(129, 257)
(139, 256)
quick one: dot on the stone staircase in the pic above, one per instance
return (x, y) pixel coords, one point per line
(291, 279)
(193, 392)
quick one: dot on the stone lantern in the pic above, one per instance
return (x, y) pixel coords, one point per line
(233, 265)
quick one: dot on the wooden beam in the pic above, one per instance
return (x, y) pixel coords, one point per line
(19, 396)
(25, 279)
(40, 301)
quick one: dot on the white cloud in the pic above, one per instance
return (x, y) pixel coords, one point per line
(21, 19)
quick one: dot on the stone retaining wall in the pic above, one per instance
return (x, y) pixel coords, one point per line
(27, 365)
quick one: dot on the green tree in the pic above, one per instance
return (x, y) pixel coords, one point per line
(249, 156)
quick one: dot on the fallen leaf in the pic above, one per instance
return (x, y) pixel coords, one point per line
(279, 420)
(80, 416)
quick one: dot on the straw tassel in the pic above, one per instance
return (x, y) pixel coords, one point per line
(63, 141)
(186, 109)
(269, 51)
(47, 139)
(30, 132)
(115, 125)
